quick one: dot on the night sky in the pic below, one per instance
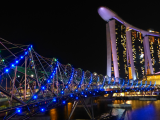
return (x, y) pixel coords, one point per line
(72, 32)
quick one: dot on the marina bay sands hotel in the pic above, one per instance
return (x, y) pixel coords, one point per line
(131, 52)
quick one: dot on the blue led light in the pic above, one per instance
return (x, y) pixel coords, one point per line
(25, 53)
(93, 93)
(42, 109)
(16, 61)
(111, 91)
(85, 96)
(66, 86)
(7, 70)
(12, 65)
(86, 88)
(34, 96)
(64, 102)
(69, 82)
(18, 110)
(71, 95)
(54, 99)
(76, 98)
(90, 92)
(62, 92)
(31, 46)
(82, 93)
(79, 86)
(106, 92)
(21, 57)
(97, 90)
(116, 90)
(43, 87)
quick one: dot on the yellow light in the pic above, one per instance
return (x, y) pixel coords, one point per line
(53, 114)
(129, 102)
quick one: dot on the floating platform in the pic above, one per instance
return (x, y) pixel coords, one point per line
(148, 99)
(120, 105)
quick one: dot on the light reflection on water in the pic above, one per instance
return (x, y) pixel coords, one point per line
(145, 110)
(141, 110)
(61, 112)
(53, 114)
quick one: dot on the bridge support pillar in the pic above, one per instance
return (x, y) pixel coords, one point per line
(83, 102)
(73, 109)
(92, 108)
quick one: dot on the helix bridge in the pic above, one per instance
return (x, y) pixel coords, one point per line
(31, 84)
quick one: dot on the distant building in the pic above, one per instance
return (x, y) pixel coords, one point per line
(131, 52)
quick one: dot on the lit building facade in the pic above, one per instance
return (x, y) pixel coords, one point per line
(138, 53)
(154, 44)
(121, 49)
(131, 52)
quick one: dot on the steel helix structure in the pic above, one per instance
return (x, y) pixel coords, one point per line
(31, 83)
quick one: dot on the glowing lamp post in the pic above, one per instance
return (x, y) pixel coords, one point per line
(95, 73)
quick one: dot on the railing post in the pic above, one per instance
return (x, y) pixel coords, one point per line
(57, 80)
(25, 77)
(86, 109)
(6, 84)
(13, 83)
(53, 85)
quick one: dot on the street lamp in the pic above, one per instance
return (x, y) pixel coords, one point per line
(95, 73)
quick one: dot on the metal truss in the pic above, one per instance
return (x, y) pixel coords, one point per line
(31, 83)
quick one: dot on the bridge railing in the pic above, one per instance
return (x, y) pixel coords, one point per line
(27, 77)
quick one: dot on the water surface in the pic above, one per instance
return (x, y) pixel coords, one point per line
(141, 110)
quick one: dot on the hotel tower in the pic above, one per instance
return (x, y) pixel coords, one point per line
(131, 52)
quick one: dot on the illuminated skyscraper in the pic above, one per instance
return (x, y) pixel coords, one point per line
(131, 52)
